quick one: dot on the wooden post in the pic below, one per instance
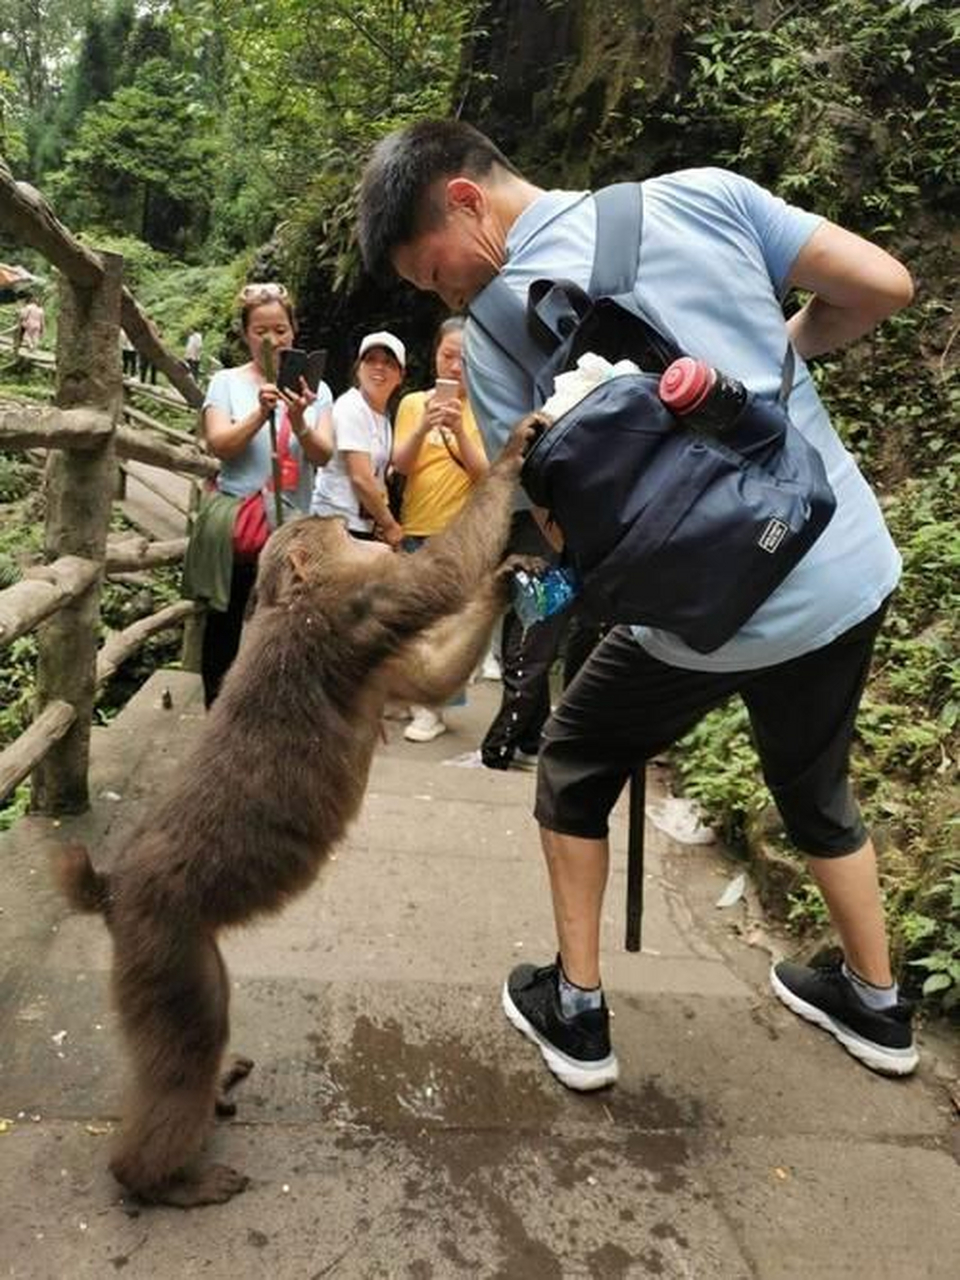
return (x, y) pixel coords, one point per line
(79, 494)
(191, 650)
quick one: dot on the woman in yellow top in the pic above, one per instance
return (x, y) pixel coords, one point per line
(438, 447)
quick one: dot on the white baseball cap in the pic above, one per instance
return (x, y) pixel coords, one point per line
(389, 341)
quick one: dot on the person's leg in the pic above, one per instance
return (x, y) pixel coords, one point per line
(221, 633)
(623, 708)
(851, 890)
(578, 869)
(803, 715)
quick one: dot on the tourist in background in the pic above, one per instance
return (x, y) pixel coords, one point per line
(353, 484)
(32, 322)
(236, 415)
(128, 354)
(438, 449)
(192, 352)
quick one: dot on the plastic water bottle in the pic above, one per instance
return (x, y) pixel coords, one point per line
(536, 596)
(708, 400)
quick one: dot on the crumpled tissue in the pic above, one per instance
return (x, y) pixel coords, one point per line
(570, 388)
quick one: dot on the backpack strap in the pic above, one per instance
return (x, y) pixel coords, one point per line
(786, 375)
(528, 339)
(616, 267)
(503, 318)
(616, 262)
(616, 255)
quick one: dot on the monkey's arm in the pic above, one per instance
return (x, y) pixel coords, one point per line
(441, 579)
(437, 663)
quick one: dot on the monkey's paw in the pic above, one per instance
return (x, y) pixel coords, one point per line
(216, 1184)
(509, 565)
(524, 435)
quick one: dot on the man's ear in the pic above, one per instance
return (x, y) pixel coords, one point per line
(466, 195)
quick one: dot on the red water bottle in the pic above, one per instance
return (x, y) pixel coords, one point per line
(707, 399)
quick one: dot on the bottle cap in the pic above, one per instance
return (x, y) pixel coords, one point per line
(685, 384)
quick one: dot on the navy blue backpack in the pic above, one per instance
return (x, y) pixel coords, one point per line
(665, 525)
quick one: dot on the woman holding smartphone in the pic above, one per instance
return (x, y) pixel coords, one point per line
(438, 447)
(236, 414)
(353, 484)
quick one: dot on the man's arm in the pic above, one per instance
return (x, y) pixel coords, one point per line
(855, 284)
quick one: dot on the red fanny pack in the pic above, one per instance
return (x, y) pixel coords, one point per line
(251, 525)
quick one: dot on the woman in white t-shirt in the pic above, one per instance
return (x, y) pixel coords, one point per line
(353, 484)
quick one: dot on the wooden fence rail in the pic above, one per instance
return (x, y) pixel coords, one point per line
(86, 432)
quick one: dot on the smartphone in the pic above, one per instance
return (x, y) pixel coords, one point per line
(316, 367)
(446, 389)
(295, 364)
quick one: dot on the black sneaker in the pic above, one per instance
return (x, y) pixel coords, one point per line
(880, 1038)
(577, 1050)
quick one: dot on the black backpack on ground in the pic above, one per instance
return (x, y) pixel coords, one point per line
(665, 525)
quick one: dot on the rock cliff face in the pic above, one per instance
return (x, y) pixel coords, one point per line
(555, 85)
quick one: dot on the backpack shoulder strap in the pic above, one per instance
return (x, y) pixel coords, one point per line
(616, 265)
(616, 256)
(786, 375)
(503, 318)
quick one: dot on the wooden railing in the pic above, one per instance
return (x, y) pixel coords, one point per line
(89, 431)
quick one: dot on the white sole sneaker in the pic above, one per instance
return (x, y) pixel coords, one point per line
(889, 1062)
(581, 1076)
(424, 733)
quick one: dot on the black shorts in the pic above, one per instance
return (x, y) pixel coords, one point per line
(626, 706)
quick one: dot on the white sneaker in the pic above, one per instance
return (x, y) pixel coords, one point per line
(490, 668)
(425, 726)
(524, 760)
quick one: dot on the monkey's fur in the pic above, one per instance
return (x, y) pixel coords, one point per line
(278, 774)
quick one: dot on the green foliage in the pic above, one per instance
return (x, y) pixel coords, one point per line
(807, 909)
(17, 478)
(305, 87)
(143, 159)
(851, 107)
(15, 807)
(717, 766)
(17, 684)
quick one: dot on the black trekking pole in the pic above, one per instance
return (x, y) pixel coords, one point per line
(638, 797)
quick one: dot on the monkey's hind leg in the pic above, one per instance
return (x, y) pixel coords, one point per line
(238, 1069)
(177, 1043)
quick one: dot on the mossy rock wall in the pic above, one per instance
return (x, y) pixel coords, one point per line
(553, 84)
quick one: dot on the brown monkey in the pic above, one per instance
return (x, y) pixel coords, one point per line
(278, 773)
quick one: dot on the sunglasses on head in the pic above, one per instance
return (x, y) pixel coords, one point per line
(270, 292)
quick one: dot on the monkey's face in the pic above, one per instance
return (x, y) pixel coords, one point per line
(313, 553)
(296, 554)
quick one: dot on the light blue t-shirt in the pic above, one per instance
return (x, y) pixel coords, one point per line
(235, 392)
(715, 254)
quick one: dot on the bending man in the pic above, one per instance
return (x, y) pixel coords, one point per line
(442, 207)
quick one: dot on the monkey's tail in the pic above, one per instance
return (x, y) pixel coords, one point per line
(83, 887)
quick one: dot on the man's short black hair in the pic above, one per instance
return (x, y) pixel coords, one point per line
(391, 209)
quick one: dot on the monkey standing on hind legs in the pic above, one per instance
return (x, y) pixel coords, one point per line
(280, 770)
